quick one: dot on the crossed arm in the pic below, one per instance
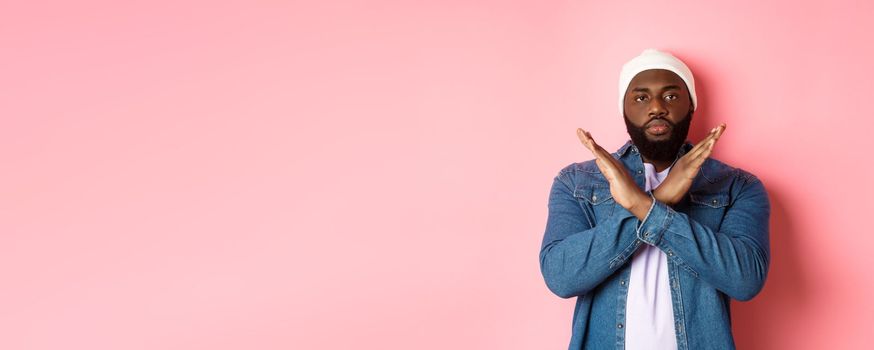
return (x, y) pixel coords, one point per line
(575, 257)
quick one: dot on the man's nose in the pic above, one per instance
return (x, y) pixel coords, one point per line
(657, 108)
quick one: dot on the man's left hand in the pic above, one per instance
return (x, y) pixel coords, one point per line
(683, 172)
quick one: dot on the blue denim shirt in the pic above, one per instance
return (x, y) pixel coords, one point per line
(716, 241)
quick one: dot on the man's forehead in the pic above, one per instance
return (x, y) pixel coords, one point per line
(656, 79)
(656, 76)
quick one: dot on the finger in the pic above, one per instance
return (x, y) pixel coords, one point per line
(605, 170)
(716, 132)
(590, 143)
(719, 130)
(587, 139)
(606, 163)
(695, 152)
(584, 138)
(601, 151)
(701, 143)
(600, 165)
(712, 143)
(705, 153)
(714, 135)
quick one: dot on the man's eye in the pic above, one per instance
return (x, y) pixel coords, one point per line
(671, 97)
(640, 98)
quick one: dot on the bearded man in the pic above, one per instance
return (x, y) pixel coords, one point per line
(655, 239)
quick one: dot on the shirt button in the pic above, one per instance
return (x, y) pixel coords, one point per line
(620, 325)
(622, 283)
(714, 202)
(646, 235)
(640, 171)
(670, 253)
(594, 197)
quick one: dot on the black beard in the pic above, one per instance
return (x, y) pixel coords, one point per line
(660, 151)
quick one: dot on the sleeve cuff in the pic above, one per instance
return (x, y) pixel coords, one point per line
(639, 224)
(655, 222)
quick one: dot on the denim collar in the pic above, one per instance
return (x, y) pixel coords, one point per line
(630, 146)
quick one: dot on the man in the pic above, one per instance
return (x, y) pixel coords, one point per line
(654, 239)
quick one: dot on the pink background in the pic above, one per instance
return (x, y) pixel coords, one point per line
(374, 174)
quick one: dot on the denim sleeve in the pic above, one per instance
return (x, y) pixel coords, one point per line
(733, 260)
(574, 256)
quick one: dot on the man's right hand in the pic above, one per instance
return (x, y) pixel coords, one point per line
(679, 179)
(622, 186)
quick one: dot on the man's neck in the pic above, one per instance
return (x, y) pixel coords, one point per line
(658, 165)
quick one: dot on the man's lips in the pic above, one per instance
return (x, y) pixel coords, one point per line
(658, 127)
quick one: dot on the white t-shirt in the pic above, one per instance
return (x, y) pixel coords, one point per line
(649, 313)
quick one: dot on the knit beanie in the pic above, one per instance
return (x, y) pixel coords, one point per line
(654, 59)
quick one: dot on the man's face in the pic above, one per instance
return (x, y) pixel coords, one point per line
(658, 111)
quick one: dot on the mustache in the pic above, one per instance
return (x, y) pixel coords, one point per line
(658, 119)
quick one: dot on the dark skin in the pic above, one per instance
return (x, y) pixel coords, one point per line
(657, 93)
(654, 93)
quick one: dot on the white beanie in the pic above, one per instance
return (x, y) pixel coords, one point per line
(654, 59)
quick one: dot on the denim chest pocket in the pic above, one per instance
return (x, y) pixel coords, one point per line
(708, 208)
(596, 200)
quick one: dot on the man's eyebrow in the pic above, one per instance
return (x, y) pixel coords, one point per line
(643, 89)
